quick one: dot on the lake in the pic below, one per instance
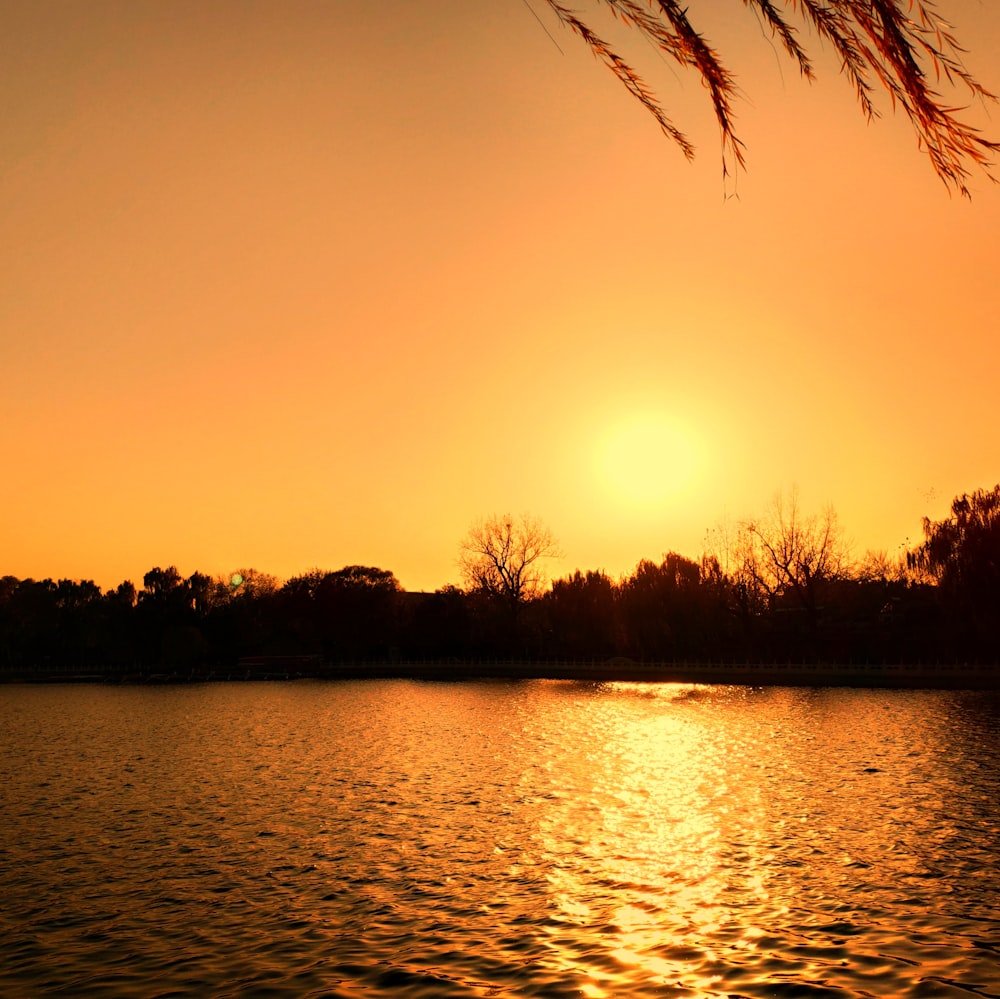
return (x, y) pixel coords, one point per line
(536, 838)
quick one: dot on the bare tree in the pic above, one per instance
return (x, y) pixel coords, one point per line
(878, 566)
(503, 557)
(903, 47)
(791, 554)
(732, 561)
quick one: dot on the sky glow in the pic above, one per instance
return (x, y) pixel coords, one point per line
(316, 284)
(649, 461)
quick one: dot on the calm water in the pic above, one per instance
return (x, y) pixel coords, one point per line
(498, 839)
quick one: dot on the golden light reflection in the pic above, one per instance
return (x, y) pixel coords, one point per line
(669, 850)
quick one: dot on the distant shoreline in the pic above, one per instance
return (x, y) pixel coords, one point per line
(264, 668)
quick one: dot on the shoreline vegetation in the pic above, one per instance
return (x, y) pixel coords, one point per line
(942, 676)
(778, 599)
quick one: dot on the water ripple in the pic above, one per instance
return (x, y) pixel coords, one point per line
(499, 839)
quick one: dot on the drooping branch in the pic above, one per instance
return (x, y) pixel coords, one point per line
(903, 47)
(625, 73)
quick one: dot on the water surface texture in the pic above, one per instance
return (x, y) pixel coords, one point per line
(396, 838)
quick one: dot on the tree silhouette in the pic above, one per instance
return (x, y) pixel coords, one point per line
(502, 557)
(160, 585)
(903, 47)
(962, 554)
(665, 609)
(582, 615)
(347, 614)
(783, 560)
(798, 554)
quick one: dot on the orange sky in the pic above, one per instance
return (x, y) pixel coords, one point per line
(316, 283)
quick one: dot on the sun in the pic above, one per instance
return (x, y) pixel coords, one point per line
(648, 460)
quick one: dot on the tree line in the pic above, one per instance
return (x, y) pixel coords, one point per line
(781, 587)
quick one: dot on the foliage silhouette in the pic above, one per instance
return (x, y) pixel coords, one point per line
(962, 554)
(582, 610)
(902, 47)
(346, 614)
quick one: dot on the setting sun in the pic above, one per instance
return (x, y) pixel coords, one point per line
(456, 270)
(648, 460)
(500, 498)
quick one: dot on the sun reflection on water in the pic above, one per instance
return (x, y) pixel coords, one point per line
(669, 826)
